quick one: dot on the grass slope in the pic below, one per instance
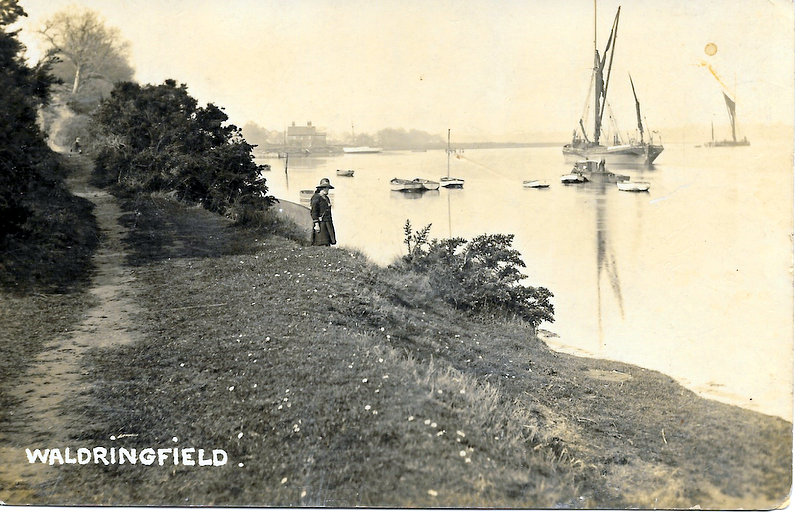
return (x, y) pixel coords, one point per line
(331, 381)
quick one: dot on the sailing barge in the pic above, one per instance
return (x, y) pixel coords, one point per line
(635, 152)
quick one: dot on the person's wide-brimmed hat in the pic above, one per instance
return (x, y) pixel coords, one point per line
(324, 183)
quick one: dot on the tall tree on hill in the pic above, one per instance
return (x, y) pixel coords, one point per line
(92, 54)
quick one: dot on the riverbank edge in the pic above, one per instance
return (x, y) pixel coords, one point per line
(573, 432)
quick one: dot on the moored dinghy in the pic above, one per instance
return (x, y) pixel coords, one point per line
(427, 184)
(535, 184)
(401, 185)
(633, 186)
(573, 177)
(450, 182)
(345, 172)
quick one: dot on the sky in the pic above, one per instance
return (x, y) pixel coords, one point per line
(487, 69)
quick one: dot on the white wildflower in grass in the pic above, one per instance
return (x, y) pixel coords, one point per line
(388, 336)
(280, 407)
(378, 390)
(241, 464)
(434, 425)
(411, 418)
(267, 339)
(427, 421)
(433, 493)
(230, 388)
(382, 329)
(112, 438)
(374, 411)
(462, 391)
(380, 360)
(255, 385)
(364, 379)
(181, 365)
(240, 435)
(283, 481)
(461, 433)
(462, 453)
(175, 439)
(303, 493)
(439, 392)
(367, 407)
(385, 377)
(467, 460)
(440, 433)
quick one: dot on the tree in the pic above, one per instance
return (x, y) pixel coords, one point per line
(22, 148)
(89, 50)
(156, 137)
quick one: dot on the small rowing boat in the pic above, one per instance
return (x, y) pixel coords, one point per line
(401, 185)
(427, 184)
(633, 186)
(535, 184)
(450, 182)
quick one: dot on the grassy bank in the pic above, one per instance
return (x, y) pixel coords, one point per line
(332, 382)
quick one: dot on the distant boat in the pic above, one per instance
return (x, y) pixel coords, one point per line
(535, 184)
(345, 172)
(306, 195)
(402, 185)
(596, 171)
(573, 177)
(634, 152)
(633, 186)
(427, 184)
(362, 150)
(732, 117)
(450, 182)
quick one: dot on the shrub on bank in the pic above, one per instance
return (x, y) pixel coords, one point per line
(478, 275)
(156, 138)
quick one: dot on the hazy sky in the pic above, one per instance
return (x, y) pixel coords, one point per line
(488, 68)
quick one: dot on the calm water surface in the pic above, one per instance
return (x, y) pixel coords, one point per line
(693, 279)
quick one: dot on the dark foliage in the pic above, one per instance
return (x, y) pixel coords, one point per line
(156, 138)
(478, 275)
(46, 234)
(22, 146)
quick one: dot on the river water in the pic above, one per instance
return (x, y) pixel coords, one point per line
(693, 278)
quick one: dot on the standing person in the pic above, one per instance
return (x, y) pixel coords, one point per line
(76, 146)
(324, 234)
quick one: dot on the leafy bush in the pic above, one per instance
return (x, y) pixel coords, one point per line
(156, 138)
(479, 275)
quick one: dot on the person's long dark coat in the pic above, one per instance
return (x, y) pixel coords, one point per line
(321, 213)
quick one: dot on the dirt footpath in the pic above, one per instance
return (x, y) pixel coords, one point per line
(54, 378)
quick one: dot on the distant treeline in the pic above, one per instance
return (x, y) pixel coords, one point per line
(388, 138)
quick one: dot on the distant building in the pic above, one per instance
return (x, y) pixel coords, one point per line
(306, 136)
